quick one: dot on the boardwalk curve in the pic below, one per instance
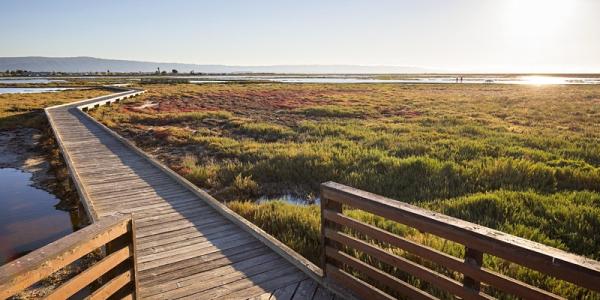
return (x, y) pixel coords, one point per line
(187, 244)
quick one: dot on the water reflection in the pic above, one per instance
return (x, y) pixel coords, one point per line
(28, 218)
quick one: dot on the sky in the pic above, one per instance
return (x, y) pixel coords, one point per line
(451, 35)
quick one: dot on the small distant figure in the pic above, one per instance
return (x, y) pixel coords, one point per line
(461, 78)
(456, 79)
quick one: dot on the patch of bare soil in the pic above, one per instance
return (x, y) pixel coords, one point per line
(21, 149)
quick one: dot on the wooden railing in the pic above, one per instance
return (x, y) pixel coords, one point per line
(341, 235)
(114, 273)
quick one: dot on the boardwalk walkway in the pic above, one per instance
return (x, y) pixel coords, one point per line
(187, 244)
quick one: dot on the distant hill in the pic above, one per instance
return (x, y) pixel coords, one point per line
(92, 64)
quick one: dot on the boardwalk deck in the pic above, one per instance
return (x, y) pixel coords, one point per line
(187, 244)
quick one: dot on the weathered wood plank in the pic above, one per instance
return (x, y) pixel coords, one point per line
(37, 265)
(216, 277)
(441, 281)
(363, 289)
(112, 286)
(203, 263)
(177, 257)
(86, 277)
(268, 281)
(502, 282)
(563, 265)
(262, 279)
(391, 282)
(323, 294)
(306, 290)
(286, 292)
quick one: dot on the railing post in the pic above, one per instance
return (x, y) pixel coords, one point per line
(333, 206)
(125, 240)
(474, 258)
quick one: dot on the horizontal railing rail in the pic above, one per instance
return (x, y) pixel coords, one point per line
(342, 234)
(113, 235)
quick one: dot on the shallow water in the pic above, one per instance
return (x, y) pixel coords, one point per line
(30, 80)
(290, 198)
(417, 79)
(31, 90)
(28, 218)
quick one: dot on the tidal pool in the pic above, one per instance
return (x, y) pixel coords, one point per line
(28, 218)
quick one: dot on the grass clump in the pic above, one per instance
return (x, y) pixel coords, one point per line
(296, 226)
(265, 131)
(330, 111)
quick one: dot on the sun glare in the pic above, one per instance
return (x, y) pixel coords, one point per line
(542, 80)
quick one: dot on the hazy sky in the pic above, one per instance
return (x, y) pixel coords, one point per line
(467, 35)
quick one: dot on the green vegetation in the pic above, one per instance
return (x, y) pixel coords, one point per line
(330, 111)
(521, 159)
(26, 110)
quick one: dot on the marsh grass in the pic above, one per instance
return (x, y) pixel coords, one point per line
(26, 110)
(521, 159)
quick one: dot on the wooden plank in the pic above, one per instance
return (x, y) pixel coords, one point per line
(180, 256)
(172, 214)
(181, 234)
(286, 292)
(502, 282)
(37, 265)
(391, 282)
(563, 265)
(235, 237)
(175, 225)
(202, 263)
(94, 272)
(323, 294)
(154, 202)
(232, 233)
(128, 297)
(189, 214)
(269, 285)
(306, 290)
(214, 278)
(151, 207)
(136, 205)
(256, 283)
(440, 281)
(361, 288)
(112, 286)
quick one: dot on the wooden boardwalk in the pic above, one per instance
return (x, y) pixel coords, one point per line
(187, 245)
